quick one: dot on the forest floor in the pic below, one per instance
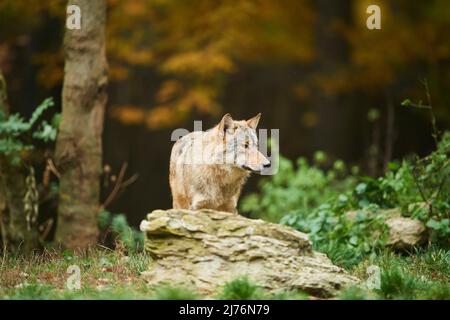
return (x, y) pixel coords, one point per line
(107, 274)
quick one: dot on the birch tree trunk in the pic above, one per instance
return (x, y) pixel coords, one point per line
(79, 144)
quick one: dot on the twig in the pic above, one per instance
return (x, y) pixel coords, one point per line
(116, 187)
(47, 229)
(52, 168)
(102, 246)
(420, 106)
(433, 118)
(130, 181)
(422, 195)
(119, 185)
(441, 185)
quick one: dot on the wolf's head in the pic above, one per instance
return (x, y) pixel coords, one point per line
(237, 144)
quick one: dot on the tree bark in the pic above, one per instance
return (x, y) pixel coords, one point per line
(14, 229)
(79, 144)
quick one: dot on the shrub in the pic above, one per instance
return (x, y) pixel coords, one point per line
(298, 187)
(316, 201)
(117, 225)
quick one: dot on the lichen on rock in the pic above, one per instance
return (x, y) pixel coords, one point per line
(206, 249)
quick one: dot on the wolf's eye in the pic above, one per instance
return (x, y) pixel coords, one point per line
(246, 145)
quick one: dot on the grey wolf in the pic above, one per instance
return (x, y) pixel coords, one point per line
(209, 168)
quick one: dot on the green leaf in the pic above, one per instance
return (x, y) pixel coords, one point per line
(433, 224)
(373, 115)
(361, 188)
(406, 103)
(353, 240)
(56, 120)
(47, 103)
(104, 219)
(46, 132)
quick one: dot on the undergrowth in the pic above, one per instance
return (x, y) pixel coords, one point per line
(107, 274)
(317, 200)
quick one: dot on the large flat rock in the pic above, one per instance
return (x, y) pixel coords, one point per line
(205, 249)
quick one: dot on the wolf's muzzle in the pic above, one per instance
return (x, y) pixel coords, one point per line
(249, 169)
(256, 171)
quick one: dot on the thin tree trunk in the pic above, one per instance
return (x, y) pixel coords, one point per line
(79, 145)
(3, 206)
(13, 223)
(389, 139)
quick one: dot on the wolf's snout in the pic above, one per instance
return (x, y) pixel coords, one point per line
(267, 165)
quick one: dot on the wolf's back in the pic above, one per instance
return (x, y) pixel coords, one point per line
(181, 169)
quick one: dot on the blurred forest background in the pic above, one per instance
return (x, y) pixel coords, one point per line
(312, 68)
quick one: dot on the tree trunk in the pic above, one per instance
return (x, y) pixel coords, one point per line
(14, 229)
(79, 145)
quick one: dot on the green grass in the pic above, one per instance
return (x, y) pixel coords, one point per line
(167, 292)
(106, 274)
(424, 274)
(241, 289)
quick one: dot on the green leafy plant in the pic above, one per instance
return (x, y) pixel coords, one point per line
(241, 289)
(431, 179)
(315, 201)
(117, 225)
(298, 187)
(318, 201)
(18, 135)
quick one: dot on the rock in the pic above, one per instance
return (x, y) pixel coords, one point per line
(404, 233)
(387, 213)
(206, 249)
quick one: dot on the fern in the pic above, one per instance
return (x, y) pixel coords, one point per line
(14, 125)
(46, 132)
(47, 103)
(16, 133)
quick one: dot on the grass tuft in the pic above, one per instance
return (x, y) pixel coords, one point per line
(241, 289)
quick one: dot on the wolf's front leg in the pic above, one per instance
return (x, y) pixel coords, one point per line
(229, 207)
(200, 202)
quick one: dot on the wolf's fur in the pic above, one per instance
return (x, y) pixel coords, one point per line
(208, 169)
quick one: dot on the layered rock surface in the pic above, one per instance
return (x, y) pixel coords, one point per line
(205, 249)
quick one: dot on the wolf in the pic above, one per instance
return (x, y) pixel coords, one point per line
(209, 168)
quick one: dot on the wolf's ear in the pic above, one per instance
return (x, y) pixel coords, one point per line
(225, 123)
(253, 122)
